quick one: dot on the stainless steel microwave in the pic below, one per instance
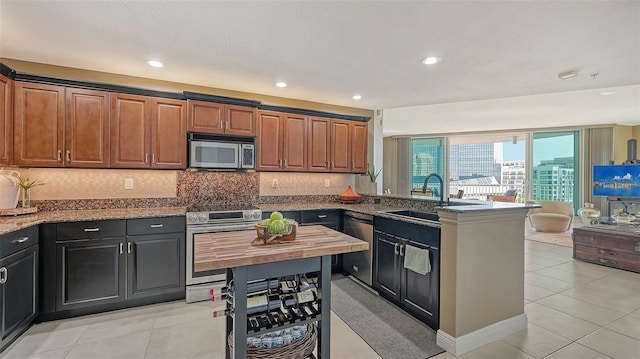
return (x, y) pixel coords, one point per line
(214, 152)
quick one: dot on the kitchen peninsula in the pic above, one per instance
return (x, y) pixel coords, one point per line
(310, 252)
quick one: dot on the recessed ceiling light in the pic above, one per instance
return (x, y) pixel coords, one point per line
(356, 97)
(607, 93)
(155, 63)
(431, 60)
(568, 75)
(281, 84)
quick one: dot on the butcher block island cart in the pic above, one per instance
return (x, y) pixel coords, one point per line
(309, 253)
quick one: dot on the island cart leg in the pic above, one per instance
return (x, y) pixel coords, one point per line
(240, 315)
(324, 325)
(228, 318)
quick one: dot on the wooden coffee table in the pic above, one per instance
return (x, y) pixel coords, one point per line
(612, 245)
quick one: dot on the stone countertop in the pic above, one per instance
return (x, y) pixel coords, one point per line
(237, 248)
(10, 224)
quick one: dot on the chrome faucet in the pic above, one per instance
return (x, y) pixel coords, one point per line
(426, 180)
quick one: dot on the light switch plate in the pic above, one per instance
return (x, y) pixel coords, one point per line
(275, 183)
(128, 183)
(327, 183)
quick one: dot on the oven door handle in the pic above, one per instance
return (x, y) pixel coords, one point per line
(218, 228)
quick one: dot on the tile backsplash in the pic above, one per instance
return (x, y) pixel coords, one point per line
(296, 184)
(72, 183)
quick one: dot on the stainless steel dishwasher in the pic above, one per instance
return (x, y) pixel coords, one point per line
(359, 264)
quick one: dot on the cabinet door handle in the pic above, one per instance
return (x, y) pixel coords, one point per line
(402, 246)
(146, 157)
(280, 163)
(322, 216)
(128, 247)
(285, 163)
(21, 240)
(92, 229)
(68, 156)
(602, 251)
(607, 261)
(4, 274)
(59, 156)
(153, 158)
(121, 248)
(353, 165)
(227, 122)
(156, 225)
(395, 249)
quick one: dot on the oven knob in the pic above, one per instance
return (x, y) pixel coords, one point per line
(202, 217)
(193, 218)
(256, 215)
(246, 215)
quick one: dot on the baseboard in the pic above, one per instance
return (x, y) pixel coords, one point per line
(490, 333)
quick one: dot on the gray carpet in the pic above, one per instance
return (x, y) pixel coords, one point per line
(388, 330)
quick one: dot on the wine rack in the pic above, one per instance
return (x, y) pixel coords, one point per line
(267, 297)
(274, 304)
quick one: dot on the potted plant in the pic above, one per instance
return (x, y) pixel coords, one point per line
(373, 176)
(26, 184)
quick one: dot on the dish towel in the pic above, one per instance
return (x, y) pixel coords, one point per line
(417, 260)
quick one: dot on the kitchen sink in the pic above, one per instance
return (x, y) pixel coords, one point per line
(415, 214)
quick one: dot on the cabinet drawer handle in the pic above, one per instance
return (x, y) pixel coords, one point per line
(68, 156)
(322, 216)
(21, 240)
(92, 229)
(128, 247)
(607, 261)
(121, 248)
(4, 274)
(602, 251)
(157, 225)
(59, 156)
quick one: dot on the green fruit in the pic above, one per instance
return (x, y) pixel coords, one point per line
(278, 226)
(276, 215)
(266, 222)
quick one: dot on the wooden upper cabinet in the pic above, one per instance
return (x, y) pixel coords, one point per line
(168, 133)
(38, 125)
(319, 144)
(87, 128)
(269, 141)
(205, 117)
(294, 143)
(359, 135)
(240, 121)
(130, 131)
(216, 118)
(6, 120)
(340, 146)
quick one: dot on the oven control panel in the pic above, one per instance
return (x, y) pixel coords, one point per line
(241, 216)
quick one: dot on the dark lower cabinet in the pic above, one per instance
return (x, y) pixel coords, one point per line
(18, 286)
(416, 293)
(96, 266)
(90, 272)
(152, 264)
(388, 280)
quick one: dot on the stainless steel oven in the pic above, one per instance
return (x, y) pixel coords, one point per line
(207, 222)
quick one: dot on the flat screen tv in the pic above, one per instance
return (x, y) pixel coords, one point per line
(616, 180)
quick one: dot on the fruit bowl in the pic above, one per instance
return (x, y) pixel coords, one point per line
(267, 237)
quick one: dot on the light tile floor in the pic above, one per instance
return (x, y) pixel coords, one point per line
(575, 310)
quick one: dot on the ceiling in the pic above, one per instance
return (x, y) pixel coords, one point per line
(328, 51)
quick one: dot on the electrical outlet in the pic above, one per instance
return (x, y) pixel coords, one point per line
(275, 183)
(327, 183)
(128, 183)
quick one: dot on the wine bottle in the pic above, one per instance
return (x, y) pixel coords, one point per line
(261, 303)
